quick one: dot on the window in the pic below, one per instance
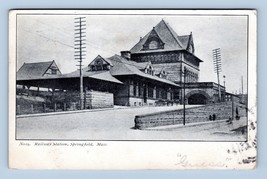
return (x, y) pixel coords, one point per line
(106, 67)
(140, 89)
(149, 70)
(53, 71)
(134, 89)
(153, 45)
(99, 62)
(99, 67)
(150, 92)
(164, 94)
(157, 92)
(93, 68)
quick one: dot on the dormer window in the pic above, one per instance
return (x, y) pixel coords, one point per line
(149, 69)
(99, 64)
(163, 74)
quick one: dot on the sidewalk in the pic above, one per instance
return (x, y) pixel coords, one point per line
(223, 126)
(148, 108)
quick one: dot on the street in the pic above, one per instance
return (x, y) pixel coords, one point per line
(117, 124)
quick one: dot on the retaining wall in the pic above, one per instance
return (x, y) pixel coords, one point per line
(193, 115)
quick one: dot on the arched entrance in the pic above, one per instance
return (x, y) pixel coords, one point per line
(197, 99)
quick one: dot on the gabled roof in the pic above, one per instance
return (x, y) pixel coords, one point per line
(33, 70)
(100, 75)
(166, 34)
(104, 59)
(162, 71)
(123, 67)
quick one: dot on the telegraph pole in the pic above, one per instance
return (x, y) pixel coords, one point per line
(217, 66)
(242, 97)
(224, 81)
(79, 49)
(184, 97)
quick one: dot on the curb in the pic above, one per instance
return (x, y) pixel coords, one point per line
(65, 112)
(183, 126)
(74, 112)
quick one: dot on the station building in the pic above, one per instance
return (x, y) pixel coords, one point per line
(155, 71)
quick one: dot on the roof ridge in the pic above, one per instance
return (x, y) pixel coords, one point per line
(39, 62)
(184, 35)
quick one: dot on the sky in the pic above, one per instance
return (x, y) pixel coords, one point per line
(51, 37)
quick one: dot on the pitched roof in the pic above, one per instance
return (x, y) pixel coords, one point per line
(124, 67)
(184, 39)
(33, 70)
(159, 70)
(105, 59)
(99, 75)
(167, 35)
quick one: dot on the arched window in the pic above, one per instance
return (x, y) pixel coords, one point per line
(153, 45)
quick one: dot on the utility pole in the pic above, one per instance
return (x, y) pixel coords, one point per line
(217, 67)
(79, 52)
(224, 81)
(242, 98)
(184, 96)
(224, 91)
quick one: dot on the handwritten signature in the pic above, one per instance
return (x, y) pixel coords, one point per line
(182, 160)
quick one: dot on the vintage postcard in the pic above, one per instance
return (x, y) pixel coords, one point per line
(132, 89)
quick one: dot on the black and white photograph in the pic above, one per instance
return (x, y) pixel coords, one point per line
(133, 76)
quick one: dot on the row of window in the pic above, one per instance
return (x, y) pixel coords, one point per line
(158, 58)
(148, 91)
(99, 67)
(191, 77)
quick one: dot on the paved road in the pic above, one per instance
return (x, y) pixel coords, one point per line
(114, 124)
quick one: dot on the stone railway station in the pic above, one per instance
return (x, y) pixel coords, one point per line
(153, 72)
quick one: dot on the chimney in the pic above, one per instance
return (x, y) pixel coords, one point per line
(126, 54)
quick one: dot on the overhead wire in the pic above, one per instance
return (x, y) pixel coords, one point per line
(67, 45)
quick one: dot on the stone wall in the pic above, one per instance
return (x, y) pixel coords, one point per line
(97, 99)
(193, 115)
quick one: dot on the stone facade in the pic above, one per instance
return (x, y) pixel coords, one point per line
(173, 63)
(203, 93)
(141, 93)
(97, 99)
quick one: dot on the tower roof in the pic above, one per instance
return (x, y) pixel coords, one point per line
(167, 35)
